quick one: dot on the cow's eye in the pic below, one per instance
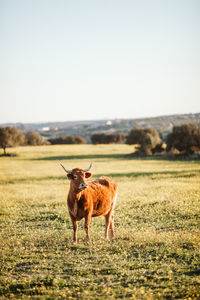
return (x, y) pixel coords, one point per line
(75, 176)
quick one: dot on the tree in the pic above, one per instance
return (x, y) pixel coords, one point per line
(9, 137)
(33, 138)
(147, 138)
(185, 138)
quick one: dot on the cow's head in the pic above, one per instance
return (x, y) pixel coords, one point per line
(78, 177)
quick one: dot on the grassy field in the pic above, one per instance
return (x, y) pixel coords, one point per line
(156, 251)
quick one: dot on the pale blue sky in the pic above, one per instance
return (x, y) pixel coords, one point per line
(76, 60)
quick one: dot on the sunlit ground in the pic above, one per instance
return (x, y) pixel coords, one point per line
(156, 251)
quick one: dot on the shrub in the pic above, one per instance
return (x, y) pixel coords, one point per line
(67, 140)
(34, 139)
(105, 138)
(184, 138)
(147, 138)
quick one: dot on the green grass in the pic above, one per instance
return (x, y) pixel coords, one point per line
(156, 251)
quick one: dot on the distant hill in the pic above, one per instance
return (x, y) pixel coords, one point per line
(163, 124)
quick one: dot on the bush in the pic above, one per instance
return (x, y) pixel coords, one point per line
(9, 137)
(105, 138)
(184, 138)
(68, 140)
(148, 139)
(34, 139)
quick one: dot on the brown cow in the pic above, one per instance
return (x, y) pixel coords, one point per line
(92, 199)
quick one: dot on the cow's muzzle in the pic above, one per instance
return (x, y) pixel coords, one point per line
(83, 186)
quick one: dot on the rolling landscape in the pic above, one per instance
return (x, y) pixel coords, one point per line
(85, 129)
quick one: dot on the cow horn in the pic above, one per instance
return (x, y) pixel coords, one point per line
(67, 171)
(88, 168)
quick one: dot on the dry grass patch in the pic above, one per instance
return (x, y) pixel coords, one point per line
(155, 254)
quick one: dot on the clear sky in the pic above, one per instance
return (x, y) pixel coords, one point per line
(66, 60)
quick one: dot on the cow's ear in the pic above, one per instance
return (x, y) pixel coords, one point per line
(70, 176)
(88, 174)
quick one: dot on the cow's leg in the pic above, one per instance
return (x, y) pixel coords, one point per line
(112, 216)
(112, 226)
(75, 228)
(86, 225)
(107, 223)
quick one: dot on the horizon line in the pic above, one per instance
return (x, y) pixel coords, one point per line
(103, 119)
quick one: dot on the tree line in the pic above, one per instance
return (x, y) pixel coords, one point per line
(182, 139)
(11, 136)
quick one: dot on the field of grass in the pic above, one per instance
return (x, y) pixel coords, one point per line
(156, 251)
